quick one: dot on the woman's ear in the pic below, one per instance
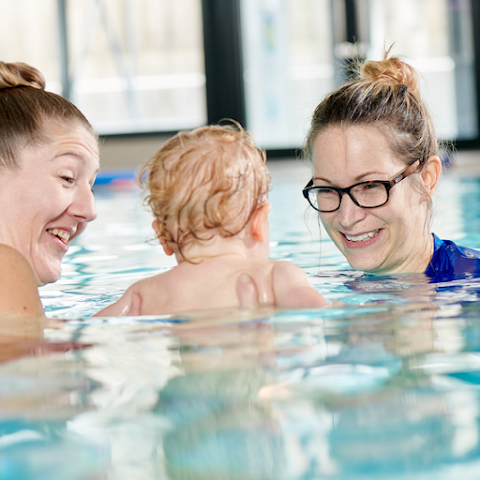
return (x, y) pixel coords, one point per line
(258, 221)
(159, 232)
(431, 173)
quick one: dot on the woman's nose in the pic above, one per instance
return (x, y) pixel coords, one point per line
(83, 206)
(349, 213)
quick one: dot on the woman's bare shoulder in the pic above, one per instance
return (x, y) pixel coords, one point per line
(8, 253)
(14, 264)
(18, 287)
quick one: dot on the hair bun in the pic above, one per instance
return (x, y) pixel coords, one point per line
(394, 71)
(20, 74)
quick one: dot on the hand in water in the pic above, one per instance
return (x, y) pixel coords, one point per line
(247, 291)
(336, 304)
(248, 294)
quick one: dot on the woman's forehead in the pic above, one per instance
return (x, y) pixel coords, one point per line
(73, 134)
(59, 141)
(356, 148)
(54, 128)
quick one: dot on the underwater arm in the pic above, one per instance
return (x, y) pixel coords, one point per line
(18, 287)
(292, 288)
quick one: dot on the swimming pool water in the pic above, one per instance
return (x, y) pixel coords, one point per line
(386, 387)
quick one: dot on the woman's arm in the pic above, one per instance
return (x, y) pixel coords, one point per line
(18, 287)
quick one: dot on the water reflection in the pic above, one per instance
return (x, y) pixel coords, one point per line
(347, 393)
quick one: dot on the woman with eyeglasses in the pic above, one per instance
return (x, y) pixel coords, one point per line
(376, 166)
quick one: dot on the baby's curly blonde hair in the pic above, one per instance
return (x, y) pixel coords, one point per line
(205, 182)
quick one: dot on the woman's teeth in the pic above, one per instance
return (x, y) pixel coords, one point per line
(61, 234)
(362, 237)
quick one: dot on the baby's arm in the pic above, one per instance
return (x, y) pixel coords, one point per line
(292, 289)
(130, 303)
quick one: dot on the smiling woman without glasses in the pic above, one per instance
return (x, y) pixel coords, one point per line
(48, 164)
(375, 159)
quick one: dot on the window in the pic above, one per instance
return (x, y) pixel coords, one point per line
(435, 37)
(288, 61)
(131, 65)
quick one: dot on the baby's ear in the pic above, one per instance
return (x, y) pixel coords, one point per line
(258, 221)
(157, 227)
(159, 231)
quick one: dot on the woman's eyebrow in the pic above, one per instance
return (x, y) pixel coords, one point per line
(322, 179)
(75, 155)
(70, 153)
(356, 179)
(374, 172)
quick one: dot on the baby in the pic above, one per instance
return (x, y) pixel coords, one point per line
(208, 191)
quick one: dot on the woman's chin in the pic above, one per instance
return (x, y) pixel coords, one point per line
(45, 276)
(367, 265)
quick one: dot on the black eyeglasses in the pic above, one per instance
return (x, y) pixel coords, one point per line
(372, 194)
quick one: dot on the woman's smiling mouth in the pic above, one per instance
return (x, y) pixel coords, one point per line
(363, 240)
(361, 237)
(63, 235)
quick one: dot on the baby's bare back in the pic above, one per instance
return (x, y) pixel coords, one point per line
(206, 285)
(213, 284)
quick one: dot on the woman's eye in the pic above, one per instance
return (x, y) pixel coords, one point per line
(68, 179)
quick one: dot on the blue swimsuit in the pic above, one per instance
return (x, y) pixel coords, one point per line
(451, 261)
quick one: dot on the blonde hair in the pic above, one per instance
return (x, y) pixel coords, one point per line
(25, 108)
(386, 95)
(205, 182)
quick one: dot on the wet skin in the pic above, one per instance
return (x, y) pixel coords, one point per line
(47, 200)
(393, 238)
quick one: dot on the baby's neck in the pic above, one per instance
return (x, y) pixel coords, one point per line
(214, 248)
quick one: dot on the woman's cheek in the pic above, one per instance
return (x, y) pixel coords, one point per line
(325, 222)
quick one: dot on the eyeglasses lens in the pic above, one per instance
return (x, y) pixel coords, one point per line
(324, 199)
(370, 194)
(365, 194)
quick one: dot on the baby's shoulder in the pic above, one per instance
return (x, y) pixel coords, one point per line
(287, 271)
(282, 266)
(160, 280)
